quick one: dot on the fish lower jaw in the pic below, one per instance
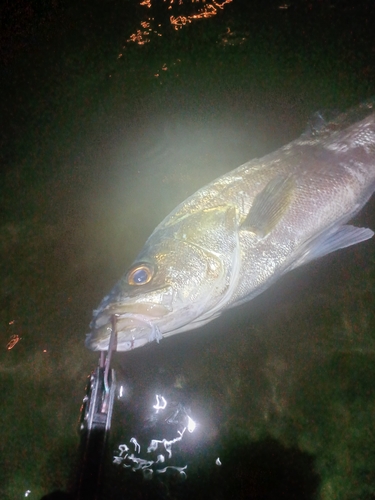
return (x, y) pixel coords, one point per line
(128, 345)
(94, 344)
(137, 337)
(132, 332)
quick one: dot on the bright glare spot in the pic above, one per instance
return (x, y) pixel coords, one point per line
(218, 462)
(161, 403)
(27, 493)
(180, 469)
(140, 463)
(191, 424)
(167, 444)
(123, 449)
(44, 350)
(137, 446)
(123, 392)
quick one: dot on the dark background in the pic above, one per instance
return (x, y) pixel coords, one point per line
(101, 137)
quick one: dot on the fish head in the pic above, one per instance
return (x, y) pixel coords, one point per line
(178, 282)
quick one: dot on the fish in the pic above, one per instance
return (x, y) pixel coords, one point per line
(236, 236)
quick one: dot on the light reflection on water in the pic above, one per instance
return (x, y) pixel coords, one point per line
(170, 13)
(169, 418)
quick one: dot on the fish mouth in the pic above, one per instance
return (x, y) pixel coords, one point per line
(135, 326)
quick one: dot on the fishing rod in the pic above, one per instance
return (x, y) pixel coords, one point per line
(95, 422)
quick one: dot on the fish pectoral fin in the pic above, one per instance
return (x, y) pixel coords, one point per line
(269, 205)
(341, 237)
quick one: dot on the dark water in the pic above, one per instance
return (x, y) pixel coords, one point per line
(101, 137)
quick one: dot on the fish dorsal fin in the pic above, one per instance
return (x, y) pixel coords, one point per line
(270, 205)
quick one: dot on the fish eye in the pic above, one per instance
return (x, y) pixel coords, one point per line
(140, 274)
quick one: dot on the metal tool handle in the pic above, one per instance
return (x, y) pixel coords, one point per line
(95, 423)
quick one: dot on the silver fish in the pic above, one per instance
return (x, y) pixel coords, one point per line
(236, 236)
